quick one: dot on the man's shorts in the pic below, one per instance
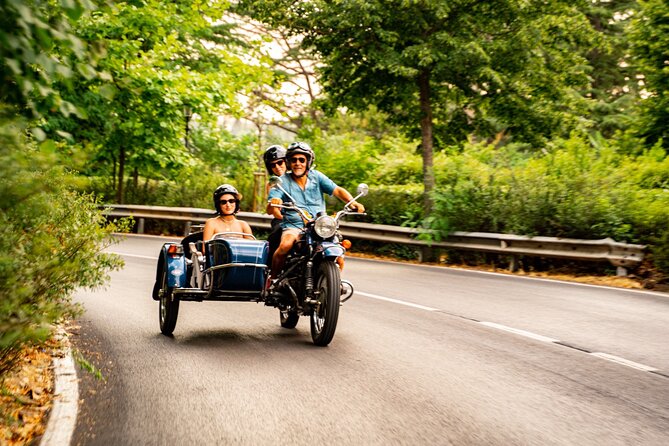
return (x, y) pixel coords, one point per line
(294, 231)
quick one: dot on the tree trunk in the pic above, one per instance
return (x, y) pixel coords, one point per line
(121, 168)
(426, 141)
(113, 183)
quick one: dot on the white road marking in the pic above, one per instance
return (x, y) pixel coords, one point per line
(135, 255)
(524, 333)
(396, 301)
(527, 334)
(623, 361)
(516, 276)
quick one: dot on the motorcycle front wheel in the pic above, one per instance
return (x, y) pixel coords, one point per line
(325, 315)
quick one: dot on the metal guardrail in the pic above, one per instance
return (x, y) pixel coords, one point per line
(621, 255)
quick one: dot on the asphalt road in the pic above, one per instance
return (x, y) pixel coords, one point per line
(422, 355)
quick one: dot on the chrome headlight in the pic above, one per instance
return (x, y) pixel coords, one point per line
(325, 226)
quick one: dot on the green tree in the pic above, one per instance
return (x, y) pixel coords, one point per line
(160, 59)
(613, 91)
(37, 48)
(51, 243)
(445, 70)
(649, 34)
(51, 238)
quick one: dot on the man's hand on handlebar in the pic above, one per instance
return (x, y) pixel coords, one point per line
(355, 206)
(273, 208)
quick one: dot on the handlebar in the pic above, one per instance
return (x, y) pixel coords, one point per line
(305, 217)
(293, 207)
(362, 191)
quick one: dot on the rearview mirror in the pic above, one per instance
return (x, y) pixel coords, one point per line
(363, 189)
(274, 181)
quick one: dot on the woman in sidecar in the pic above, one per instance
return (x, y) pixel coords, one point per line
(224, 262)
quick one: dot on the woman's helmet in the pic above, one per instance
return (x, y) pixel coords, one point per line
(226, 189)
(273, 153)
(304, 149)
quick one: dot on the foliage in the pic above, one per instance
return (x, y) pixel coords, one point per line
(478, 61)
(38, 47)
(398, 205)
(649, 34)
(573, 191)
(161, 59)
(362, 147)
(445, 70)
(613, 89)
(219, 158)
(51, 241)
(223, 153)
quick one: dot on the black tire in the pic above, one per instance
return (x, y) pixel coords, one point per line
(289, 318)
(324, 319)
(160, 270)
(168, 307)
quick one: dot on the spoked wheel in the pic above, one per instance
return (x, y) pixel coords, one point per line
(289, 318)
(168, 308)
(325, 315)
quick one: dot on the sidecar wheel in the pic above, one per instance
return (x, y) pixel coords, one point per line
(168, 308)
(289, 318)
(324, 317)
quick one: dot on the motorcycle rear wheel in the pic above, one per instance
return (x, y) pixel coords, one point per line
(324, 317)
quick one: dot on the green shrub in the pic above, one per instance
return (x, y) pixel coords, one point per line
(51, 242)
(574, 191)
(660, 252)
(400, 205)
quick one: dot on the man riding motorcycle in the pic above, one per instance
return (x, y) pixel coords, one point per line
(306, 186)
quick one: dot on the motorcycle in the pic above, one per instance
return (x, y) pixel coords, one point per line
(310, 283)
(232, 267)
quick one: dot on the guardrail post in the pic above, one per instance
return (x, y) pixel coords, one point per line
(426, 254)
(140, 226)
(513, 264)
(621, 271)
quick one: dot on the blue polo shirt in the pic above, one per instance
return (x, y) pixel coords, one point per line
(311, 198)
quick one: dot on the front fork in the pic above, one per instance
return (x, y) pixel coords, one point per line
(309, 279)
(346, 286)
(309, 283)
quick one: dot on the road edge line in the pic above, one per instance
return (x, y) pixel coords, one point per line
(63, 416)
(517, 276)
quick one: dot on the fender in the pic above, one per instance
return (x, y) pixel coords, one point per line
(332, 250)
(175, 266)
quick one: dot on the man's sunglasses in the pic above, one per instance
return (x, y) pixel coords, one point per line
(298, 159)
(230, 201)
(277, 163)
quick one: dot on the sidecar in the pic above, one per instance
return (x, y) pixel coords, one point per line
(229, 267)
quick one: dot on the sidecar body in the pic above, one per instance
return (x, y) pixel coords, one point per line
(225, 268)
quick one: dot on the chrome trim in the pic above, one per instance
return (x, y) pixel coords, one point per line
(233, 265)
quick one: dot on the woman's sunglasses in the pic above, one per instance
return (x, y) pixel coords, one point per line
(277, 163)
(230, 201)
